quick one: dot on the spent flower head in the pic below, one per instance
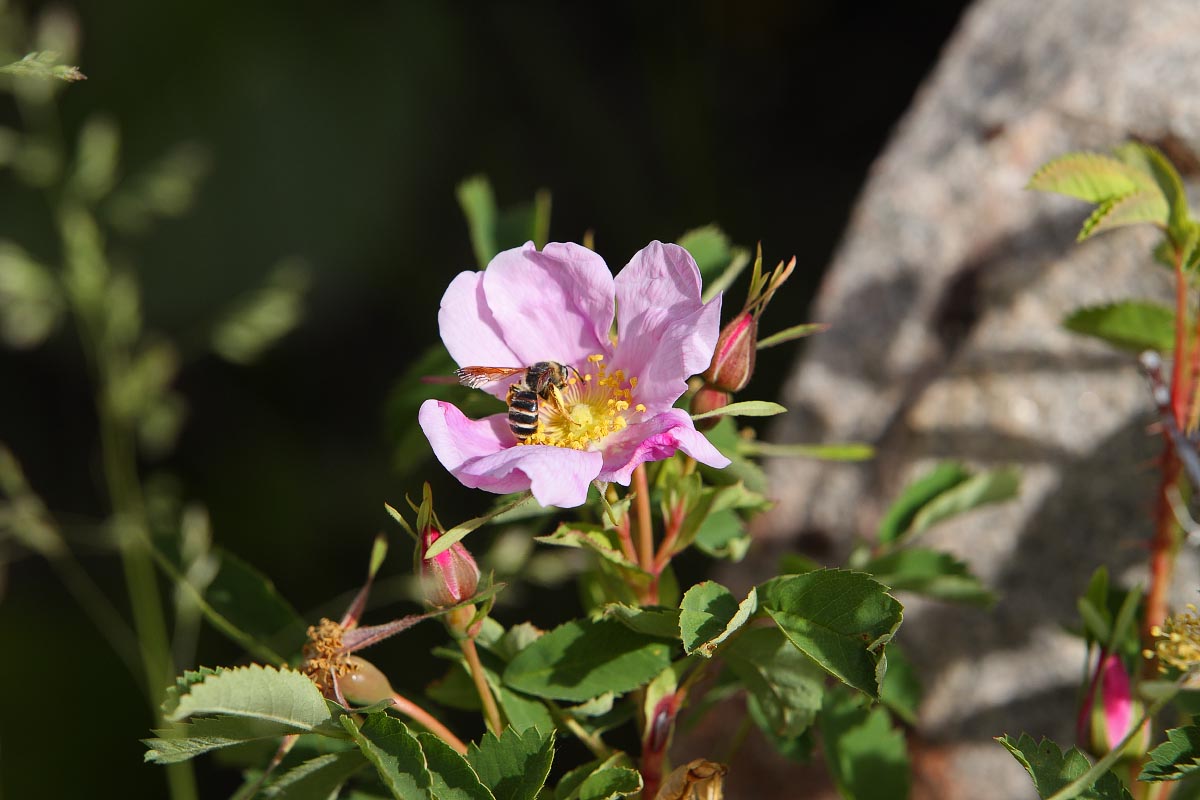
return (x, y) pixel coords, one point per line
(615, 410)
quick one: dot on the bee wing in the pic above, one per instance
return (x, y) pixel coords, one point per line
(478, 377)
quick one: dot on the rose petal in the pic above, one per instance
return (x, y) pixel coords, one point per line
(470, 331)
(556, 305)
(654, 440)
(482, 455)
(665, 333)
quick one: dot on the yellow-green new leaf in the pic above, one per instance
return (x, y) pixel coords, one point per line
(1092, 177)
(1144, 205)
(1131, 324)
(746, 408)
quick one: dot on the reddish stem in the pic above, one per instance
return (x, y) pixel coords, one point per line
(626, 539)
(1162, 546)
(645, 545)
(655, 740)
(673, 524)
(410, 709)
(1162, 555)
(1179, 372)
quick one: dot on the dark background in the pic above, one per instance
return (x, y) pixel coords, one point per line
(338, 132)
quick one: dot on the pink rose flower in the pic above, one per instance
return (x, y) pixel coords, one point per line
(616, 411)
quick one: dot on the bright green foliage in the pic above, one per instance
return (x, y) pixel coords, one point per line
(904, 509)
(609, 779)
(263, 693)
(713, 514)
(212, 733)
(460, 531)
(745, 408)
(785, 686)
(710, 247)
(244, 604)
(1092, 177)
(1131, 325)
(978, 490)
(661, 623)
(709, 614)
(1108, 615)
(453, 778)
(582, 659)
(492, 230)
(931, 573)
(901, 691)
(316, 779)
(1138, 185)
(589, 537)
(791, 334)
(724, 436)
(395, 753)
(458, 691)
(1150, 161)
(478, 204)
(1145, 205)
(842, 451)
(1052, 769)
(1174, 758)
(610, 783)
(723, 534)
(514, 765)
(838, 618)
(865, 753)
(719, 263)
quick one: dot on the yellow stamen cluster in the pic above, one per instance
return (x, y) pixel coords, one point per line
(587, 409)
(324, 655)
(1177, 641)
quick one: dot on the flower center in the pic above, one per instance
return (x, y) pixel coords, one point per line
(587, 409)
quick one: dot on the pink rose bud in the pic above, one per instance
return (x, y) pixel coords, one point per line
(733, 359)
(1103, 724)
(705, 400)
(449, 577)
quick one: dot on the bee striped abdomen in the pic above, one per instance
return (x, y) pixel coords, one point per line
(522, 413)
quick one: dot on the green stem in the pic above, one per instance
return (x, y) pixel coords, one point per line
(1085, 781)
(490, 709)
(591, 741)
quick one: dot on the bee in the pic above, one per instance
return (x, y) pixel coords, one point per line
(541, 381)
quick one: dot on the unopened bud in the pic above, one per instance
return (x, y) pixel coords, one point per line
(449, 577)
(1110, 710)
(733, 359)
(708, 399)
(363, 684)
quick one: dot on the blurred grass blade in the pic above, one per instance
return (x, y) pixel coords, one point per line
(264, 316)
(478, 204)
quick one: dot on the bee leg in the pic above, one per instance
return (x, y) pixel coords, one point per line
(557, 399)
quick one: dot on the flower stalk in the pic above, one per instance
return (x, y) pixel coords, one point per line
(491, 711)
